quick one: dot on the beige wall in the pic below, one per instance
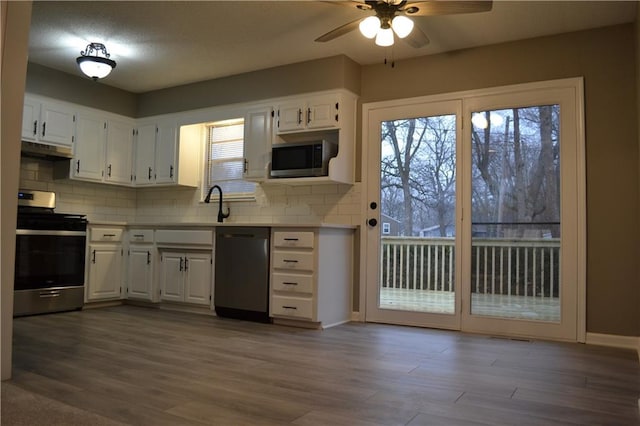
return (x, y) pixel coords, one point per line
(605, 58)
(312, 76)
(15, 36)
(79, 90)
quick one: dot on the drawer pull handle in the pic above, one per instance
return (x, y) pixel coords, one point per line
(289, 307)
(287, 283)
(291, 239)
(289, 261)
(138, 235)
(108, 235)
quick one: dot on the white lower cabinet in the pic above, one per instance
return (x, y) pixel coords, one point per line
(140, 276)
(311, 275)
(186, 277)
(104, 265)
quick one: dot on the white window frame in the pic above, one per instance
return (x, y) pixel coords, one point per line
(206, 184)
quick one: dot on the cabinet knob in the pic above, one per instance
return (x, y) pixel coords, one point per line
(372, 222)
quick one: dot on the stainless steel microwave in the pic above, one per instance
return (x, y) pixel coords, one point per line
(302, 159)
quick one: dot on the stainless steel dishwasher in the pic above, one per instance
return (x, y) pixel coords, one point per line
(241, 286)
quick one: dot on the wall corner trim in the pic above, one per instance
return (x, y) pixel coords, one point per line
(616, 341)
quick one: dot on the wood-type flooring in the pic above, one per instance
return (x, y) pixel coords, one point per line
(142, 366)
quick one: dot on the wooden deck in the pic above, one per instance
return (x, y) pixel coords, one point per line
(503, 306)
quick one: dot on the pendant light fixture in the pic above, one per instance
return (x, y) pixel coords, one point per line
(94, 61)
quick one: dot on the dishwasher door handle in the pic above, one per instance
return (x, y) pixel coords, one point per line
(237, 235)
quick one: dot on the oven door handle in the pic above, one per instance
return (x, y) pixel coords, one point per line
(45, 232)
(49, 294)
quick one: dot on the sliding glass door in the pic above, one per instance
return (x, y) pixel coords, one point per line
(475, 211)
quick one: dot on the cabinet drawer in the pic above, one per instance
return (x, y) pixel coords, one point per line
(292, 307)
(106, 234)
(298, 283)
(293, 239)
(141, 235)
(293, 260)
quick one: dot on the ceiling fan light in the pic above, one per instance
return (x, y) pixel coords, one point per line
(479, 121)
(95, 66)
(384, 37)
(402, 26)
(369, 26)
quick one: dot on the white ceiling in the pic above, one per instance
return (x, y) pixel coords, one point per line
(164, 44)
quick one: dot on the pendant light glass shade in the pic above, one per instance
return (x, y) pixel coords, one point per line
(369, 26)
(402, 26)
(384, 37)
(93, 65)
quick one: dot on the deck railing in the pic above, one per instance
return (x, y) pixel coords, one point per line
(523, 267)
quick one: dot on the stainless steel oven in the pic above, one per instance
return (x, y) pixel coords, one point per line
(50, 256)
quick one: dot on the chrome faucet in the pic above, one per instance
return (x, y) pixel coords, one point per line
(207, 199)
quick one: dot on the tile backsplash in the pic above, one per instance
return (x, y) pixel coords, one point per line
(98, 201)
(310, 204)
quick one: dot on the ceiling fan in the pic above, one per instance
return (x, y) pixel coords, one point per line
(391, 16)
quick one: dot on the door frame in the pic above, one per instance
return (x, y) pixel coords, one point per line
(577, 85)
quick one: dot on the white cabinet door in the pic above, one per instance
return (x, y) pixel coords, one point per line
(257, 143)
(119, 149)
(140, 274)
(166, 153)
(291, 116)
(145, 151)
(47, 122)
(172, 287)
(88, 156)
(105, 271)
(198, 278)
(322, 112)
(30, 119)
(57, 124)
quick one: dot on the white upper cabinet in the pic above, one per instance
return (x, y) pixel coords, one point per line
(257, 143)
(144, 157)
(323, 112)
(291, 116)
(88, 151)
(166, 154)
(47, 122)
(307, 113)
(102, 149)
(118, 152)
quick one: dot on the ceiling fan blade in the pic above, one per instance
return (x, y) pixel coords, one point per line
(416, 38)
(446, 7)
(340, 31)
(350, 3)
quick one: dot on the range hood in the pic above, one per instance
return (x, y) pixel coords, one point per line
(48, 152)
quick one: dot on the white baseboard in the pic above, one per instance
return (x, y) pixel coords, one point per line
(626, 342)
(356, 316)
